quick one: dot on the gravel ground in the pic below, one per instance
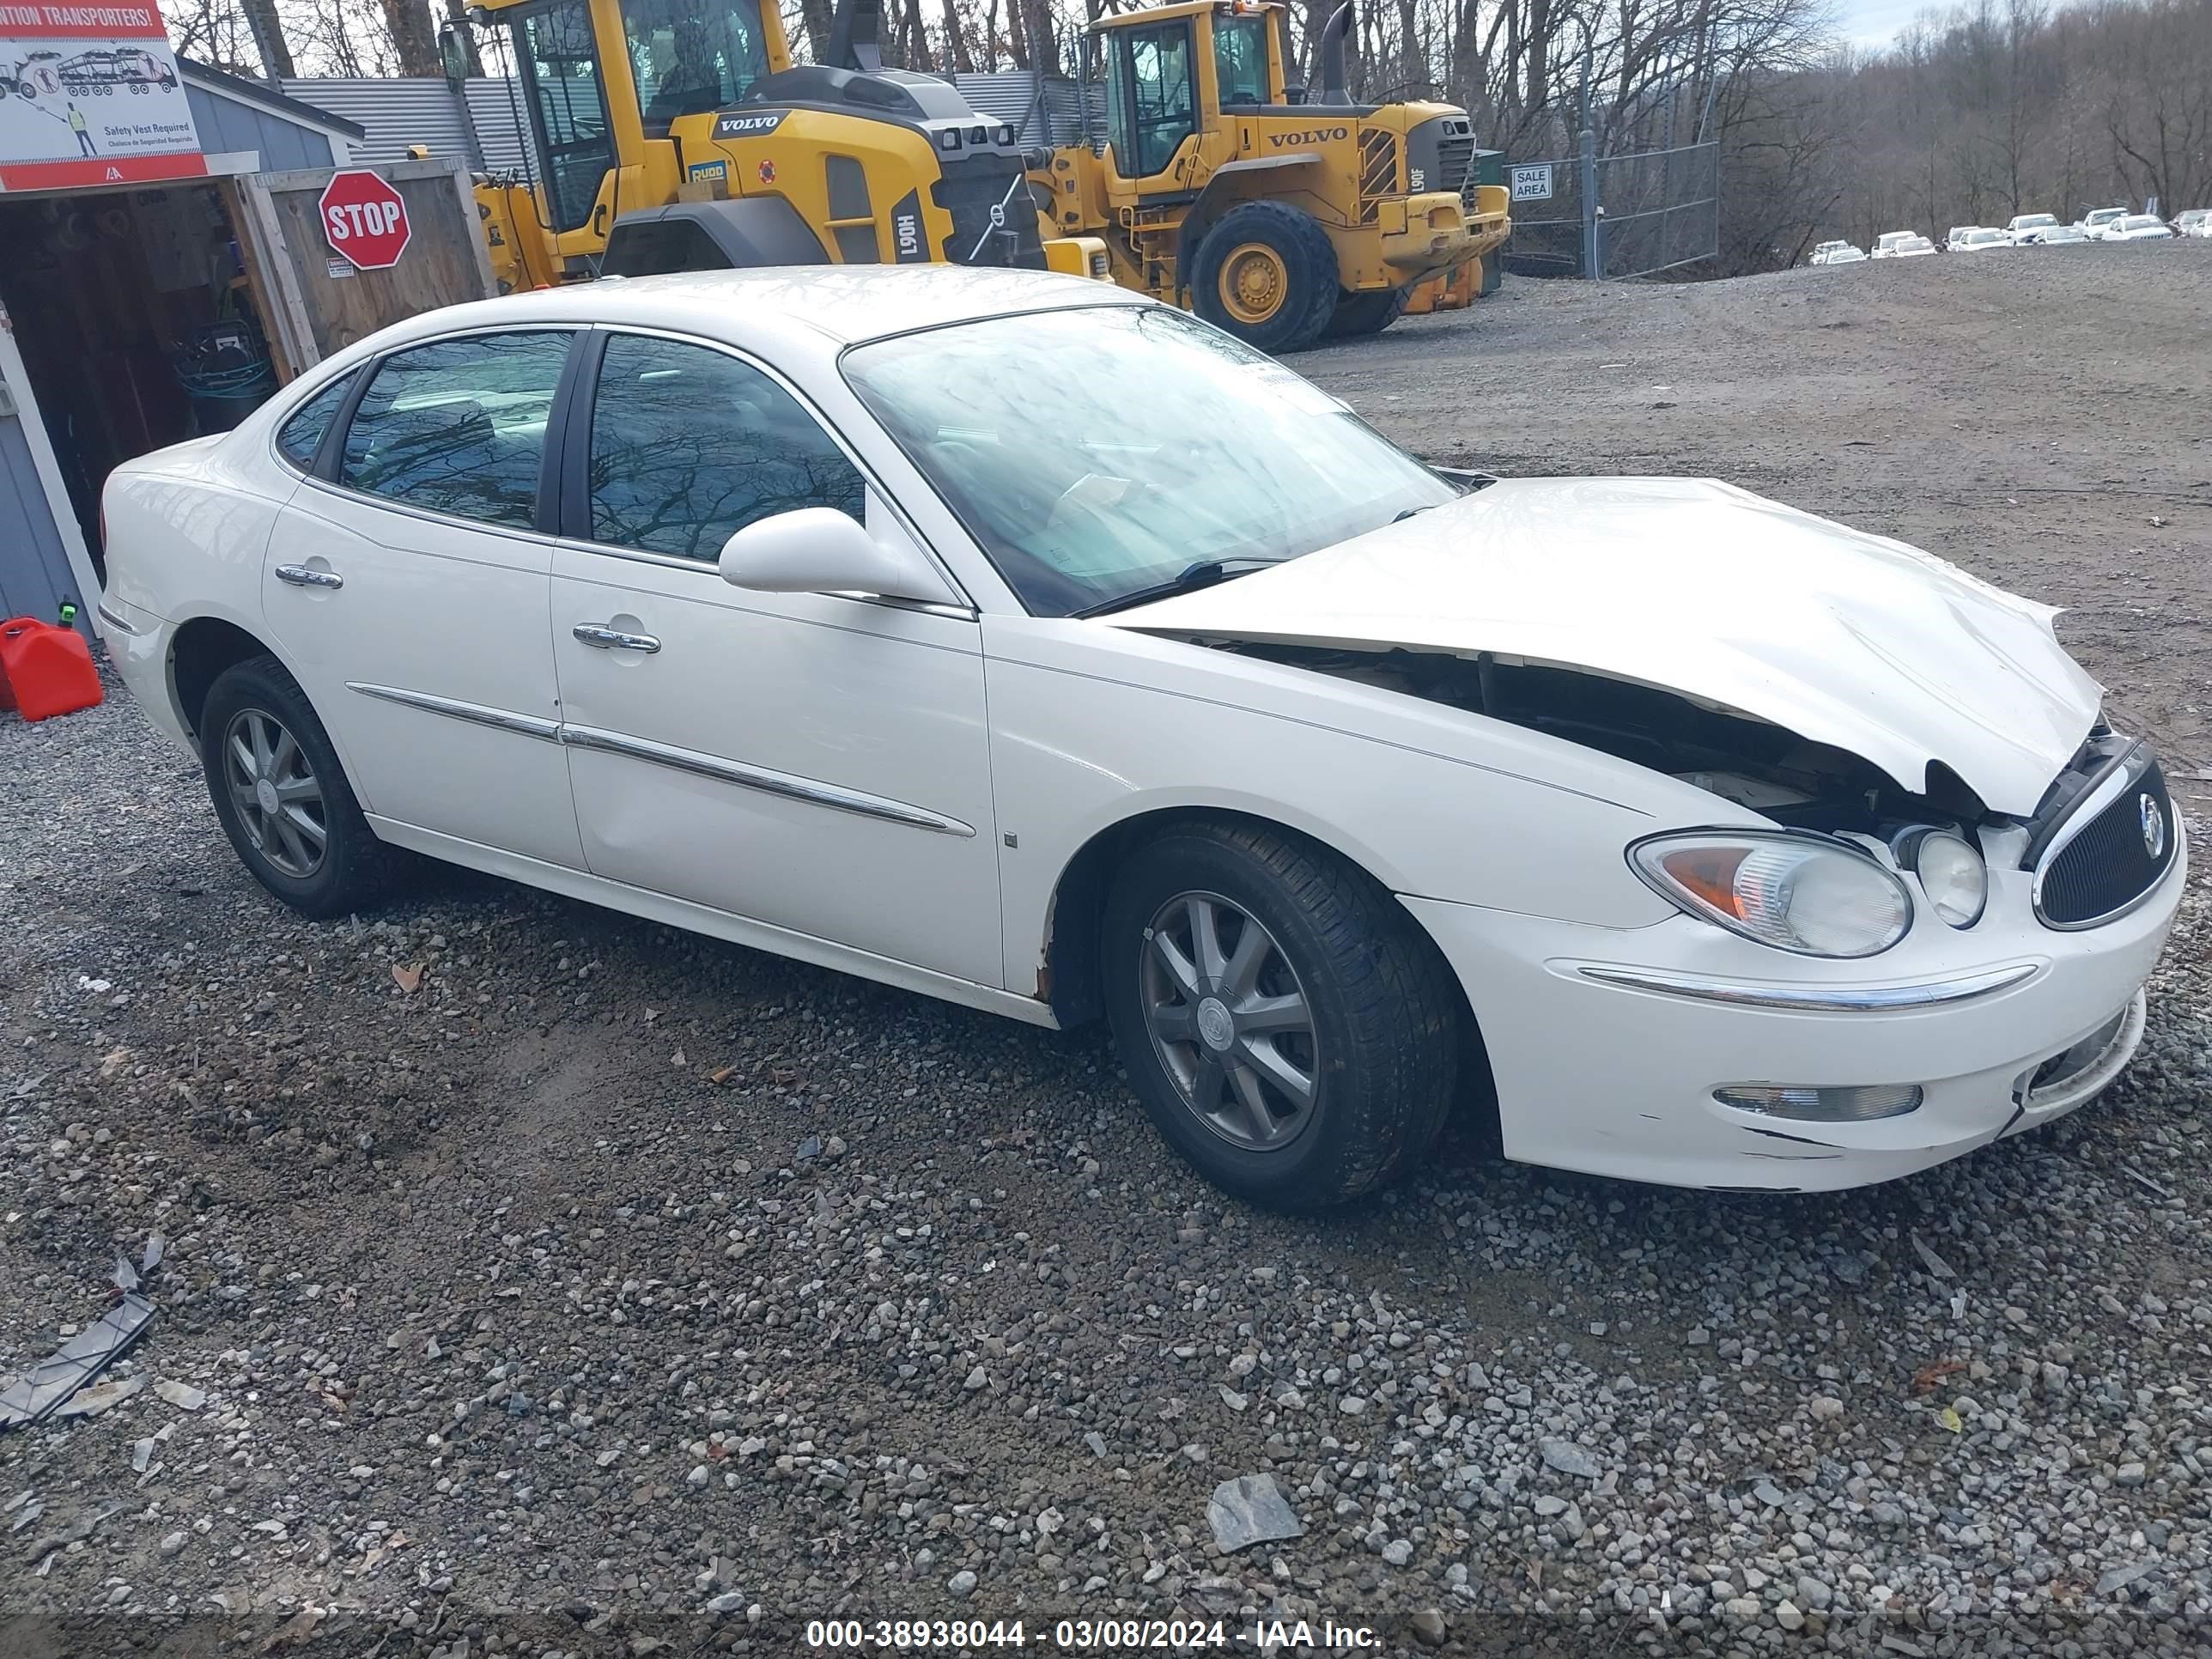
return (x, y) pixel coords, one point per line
(557, 1283)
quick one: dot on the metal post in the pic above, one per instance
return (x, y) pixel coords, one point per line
(1591, 268)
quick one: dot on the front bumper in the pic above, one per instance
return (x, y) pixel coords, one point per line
(1613, 1078)
(1429, 233)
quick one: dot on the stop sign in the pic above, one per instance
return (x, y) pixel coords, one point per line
(365, 220)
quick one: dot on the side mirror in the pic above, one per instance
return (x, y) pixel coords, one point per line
(818, 550)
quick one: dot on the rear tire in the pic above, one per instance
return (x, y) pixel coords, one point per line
(1266, 273)
(282, 797)
(1297, 1068)
(1358, 314)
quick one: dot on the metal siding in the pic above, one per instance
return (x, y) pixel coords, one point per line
(34, 570)
(226, 124)
(402, 112)
(1012, 95)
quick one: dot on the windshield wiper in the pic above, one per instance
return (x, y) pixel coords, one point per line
(1204, 574)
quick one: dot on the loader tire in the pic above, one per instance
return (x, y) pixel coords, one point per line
(1358, 314)
(1266, 273)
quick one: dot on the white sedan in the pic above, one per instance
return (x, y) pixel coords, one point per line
(2027, 229)
(1980, 239)
(1015, 639)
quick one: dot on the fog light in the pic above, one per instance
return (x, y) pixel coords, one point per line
(1855, 1104)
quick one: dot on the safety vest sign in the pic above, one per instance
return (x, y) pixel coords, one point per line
(89, 94)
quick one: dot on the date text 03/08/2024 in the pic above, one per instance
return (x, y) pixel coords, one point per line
(1087, 1635)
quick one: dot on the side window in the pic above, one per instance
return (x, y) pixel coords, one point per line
(688, 446)
(459, 426)
(1240, 60)
(298, 437)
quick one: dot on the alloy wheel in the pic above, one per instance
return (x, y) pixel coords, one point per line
(274, 789)
(1230, 1021)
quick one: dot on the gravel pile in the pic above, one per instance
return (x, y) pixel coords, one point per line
(540, 1281)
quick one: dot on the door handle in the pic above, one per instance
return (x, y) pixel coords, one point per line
(601, 637)
(298, 576)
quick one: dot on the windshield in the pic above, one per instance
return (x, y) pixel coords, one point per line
(2141, 221)
(2106, 215)
(2034, 220)
(691, 56)
(1985, 236)
(1096, 452)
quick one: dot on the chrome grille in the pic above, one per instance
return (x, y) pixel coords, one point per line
(2113, 850)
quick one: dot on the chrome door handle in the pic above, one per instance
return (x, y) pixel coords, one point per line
(601, 637)
(300, 577)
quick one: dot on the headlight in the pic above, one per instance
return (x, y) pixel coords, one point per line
(1951, 873)
(1800, 893)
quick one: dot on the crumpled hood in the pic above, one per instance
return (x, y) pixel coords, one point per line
(1704, 589)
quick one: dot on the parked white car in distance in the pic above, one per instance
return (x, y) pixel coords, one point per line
(848, 614)
(2060, 236)
(2138, 228)
(2196, 222)
(1845, 255)
(1956, 237)
(2026, 228)
(1911, 248)
(1891, 240)
(2097, 220)
(1980, 239)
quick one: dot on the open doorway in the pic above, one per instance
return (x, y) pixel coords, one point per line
(135, 322)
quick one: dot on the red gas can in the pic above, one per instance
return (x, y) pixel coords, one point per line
(45, 671)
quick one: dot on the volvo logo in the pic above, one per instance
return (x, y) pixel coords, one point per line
(2154, 825)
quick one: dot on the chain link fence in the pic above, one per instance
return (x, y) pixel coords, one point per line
(1636, 214)
(1661, 209)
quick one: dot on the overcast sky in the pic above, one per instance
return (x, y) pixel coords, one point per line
(1876, 22)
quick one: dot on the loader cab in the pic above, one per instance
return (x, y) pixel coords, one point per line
(1172, 73)
(605, 80)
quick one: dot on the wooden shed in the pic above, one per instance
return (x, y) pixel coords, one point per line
(146, 298)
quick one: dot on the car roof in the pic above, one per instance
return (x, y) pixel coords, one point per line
(845, 303)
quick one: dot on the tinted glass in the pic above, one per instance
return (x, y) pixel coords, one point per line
(1159, 78)
(561, 67)
(687, 58)
(1077, 502)
(1240, 60)
(303, 435)
(688, 446)
(459, 426)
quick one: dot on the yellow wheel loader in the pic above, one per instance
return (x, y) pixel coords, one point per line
(1281, 222)
(678, 134)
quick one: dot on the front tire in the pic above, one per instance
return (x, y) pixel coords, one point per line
(282, 797)
(1289, 1028)
(1266, 273)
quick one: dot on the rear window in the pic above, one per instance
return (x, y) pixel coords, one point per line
(300, 438)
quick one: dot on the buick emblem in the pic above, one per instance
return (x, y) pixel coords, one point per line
(2154, 825)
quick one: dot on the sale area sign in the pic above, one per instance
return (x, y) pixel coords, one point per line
(90, 95)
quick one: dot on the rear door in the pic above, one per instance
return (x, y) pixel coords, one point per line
(407, 584)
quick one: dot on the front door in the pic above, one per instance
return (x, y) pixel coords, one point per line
(1152, 103)
(408, 587)
(816, 763)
